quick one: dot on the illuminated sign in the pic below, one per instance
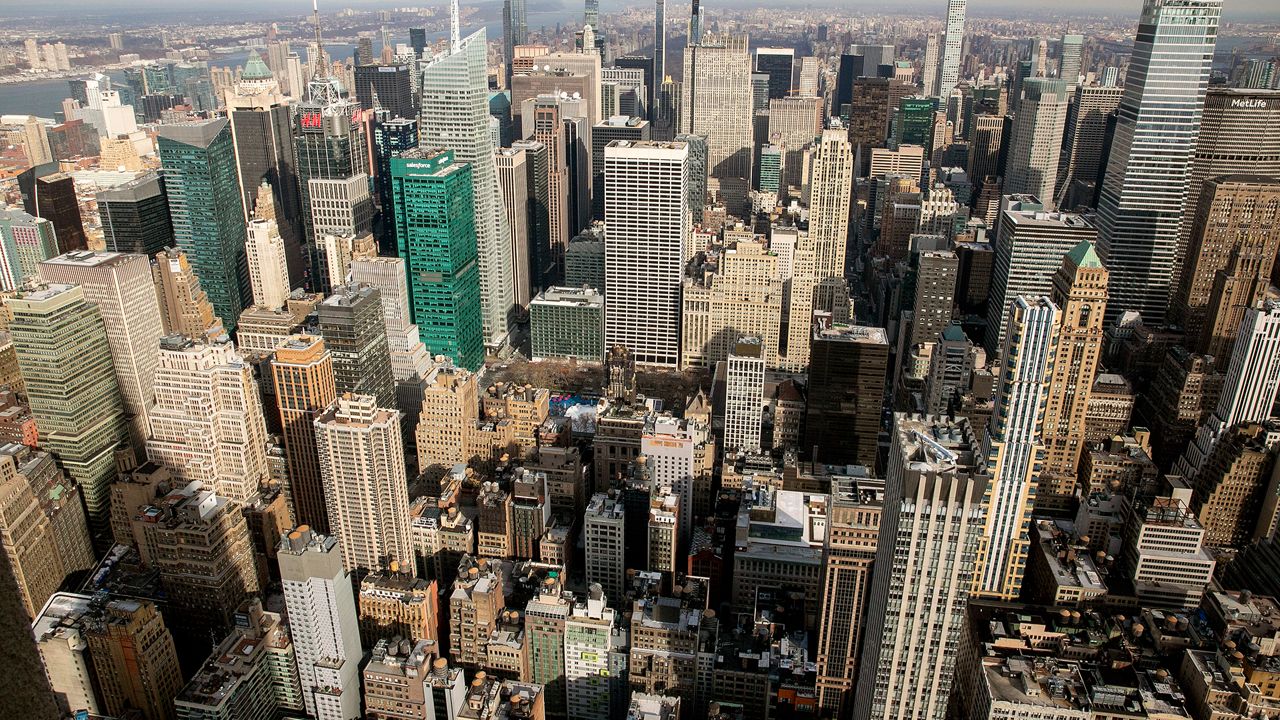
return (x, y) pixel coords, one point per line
(1250, 103)
(311, 120)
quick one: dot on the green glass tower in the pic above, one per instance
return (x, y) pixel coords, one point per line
(915, 122)
(436, 235)
(199, 162)
(63, 353)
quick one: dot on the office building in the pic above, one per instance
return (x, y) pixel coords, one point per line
(53, 197)
(341, 217)
(853, 534)
(455, 115)
(1036, 139)
(304, 387)
(1080, 292)
(207, 423)
(27, 240)
(1235, 238)
(567, 322)
(715, 102)
(250, 674)
(829, 198)
(121, 286)
(322, 619)
(604, 533)
(848, 365)
(1163, 553)
(778, 64)
(745, 298)
(409, 357)
(1029, 247)
(794, 124)
(198, 542)
(135, 216)
(71, 385)
(1239, 133)
(396, 678)
(1084, 140)
(986, 147)
(590, 640)
(646, 212)
(262, 131)
(350, 321)
(514, 174)
(184, 305)
(207, 209)
(1014, 443)
(436, 229)
(616, 127)
(1140, 209)
(363, 474)
(1250, 388)
(42, 525)
(108, 656)
(933, 498)
(268, 265)
(391, 85)
(935, 286)
(952, 47)
(744, 396)
(1231, 491)
(330, 144)
(515, 31)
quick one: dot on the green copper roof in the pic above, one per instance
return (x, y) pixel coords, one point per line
(255, 69)
(1083, 255)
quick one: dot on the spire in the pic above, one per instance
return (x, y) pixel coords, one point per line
(319, 59)
(255, 69)
(455, 34)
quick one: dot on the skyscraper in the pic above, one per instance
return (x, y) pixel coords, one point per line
(659, 45)
(363, 473)
(455, 116)
(184, 305)
(853, 533)
(350, 321)
(26, 240)
(323, 622)
(952, 47)
(1029, 247)
(1250, 389)
(329, 145)
(1034, 145)
(744, 396)
(207, 208)
(304, 383)
(933, 501)
(515, 31)
(1069, 59)
(135, 216)
(715, 101)
(1235, 238)
(829, 197)
(847, 374)
(778, 64)
(53, 197)
(1085, 137)
(436, 235)
(1239, 133)
(1014, 442)
(647, 214)
(122, 288)
(262, 130)
(1140, 210)
(387, 87)
(268, 268)
(207, 423)
(409, 356)
(1080, 292)
(71, 384)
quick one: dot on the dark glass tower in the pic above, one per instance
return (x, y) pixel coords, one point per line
(135, 216)
(52, 196)
(330, 144)
(391, 137)
(199, 164)
(262, 130)
(390, 85)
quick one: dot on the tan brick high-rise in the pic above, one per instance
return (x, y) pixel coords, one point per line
(304, 383)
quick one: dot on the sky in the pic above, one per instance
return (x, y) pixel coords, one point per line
(1233, 9)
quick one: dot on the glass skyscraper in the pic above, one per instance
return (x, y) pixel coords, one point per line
(1140, 210)
(205, 204)
(436, 235)
(952, 47)
(455, 116)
